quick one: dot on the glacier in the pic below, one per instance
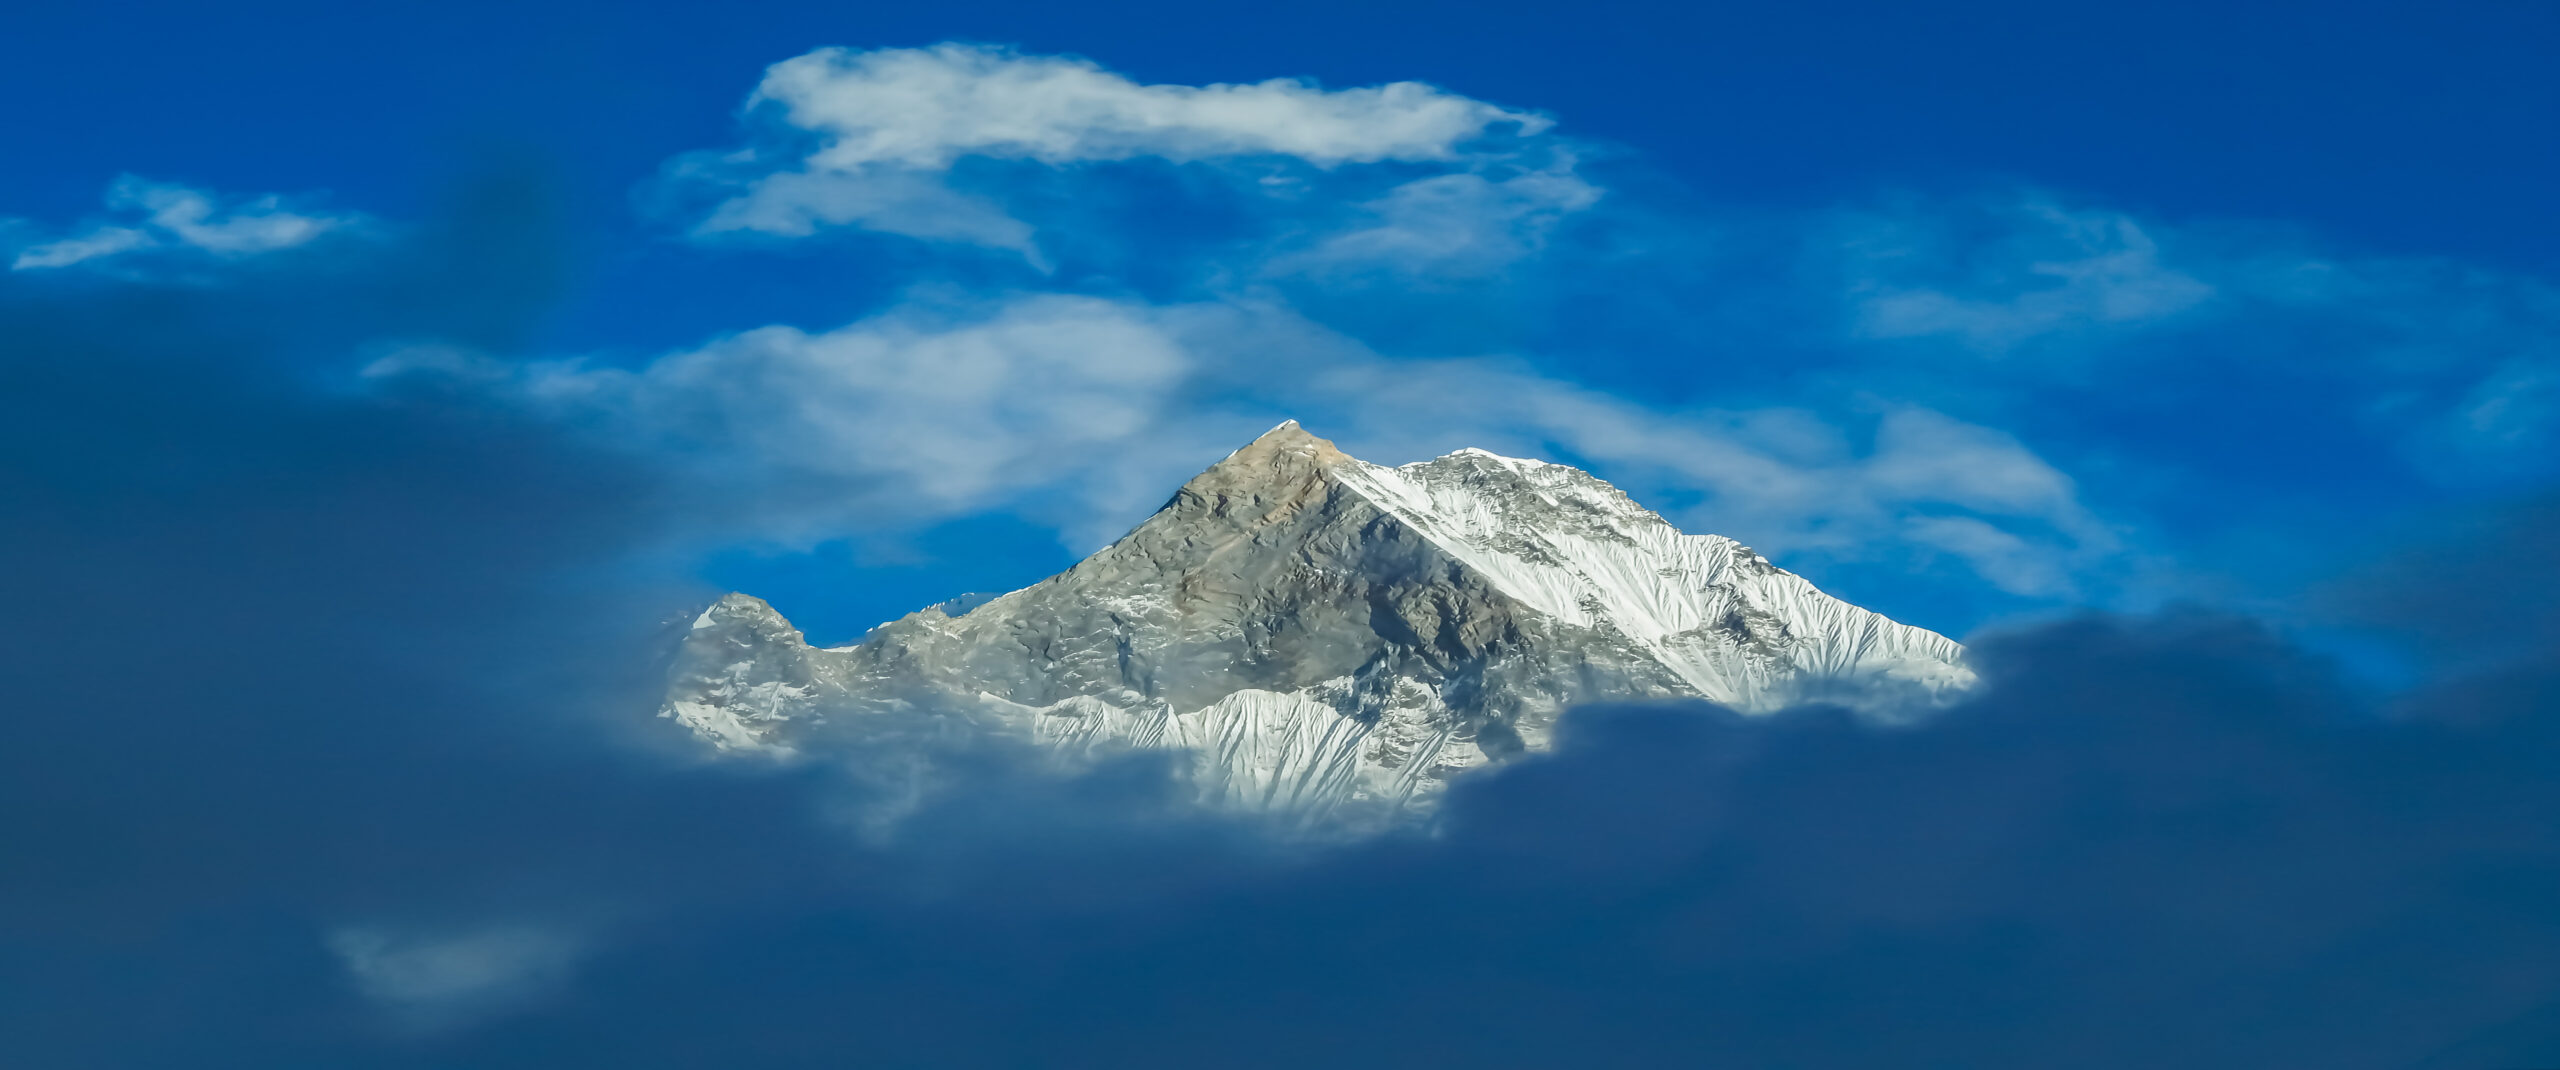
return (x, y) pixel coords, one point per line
(1325, 637)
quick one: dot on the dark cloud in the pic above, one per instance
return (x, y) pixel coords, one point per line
(2480, 587)
(326, 749)
(2162, 842)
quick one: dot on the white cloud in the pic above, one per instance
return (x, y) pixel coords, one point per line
(256, 225)
(159, 215)
(2451, 363)
(1451, 226)
(1928, 456)
(2499, 429)
(924, 107)
(1087, 412)
(99, 242)
(2461, 361)
(924, 411)
(2516, 404)
(1786, 481)
(2009, 561)
(798, 203)
(868, 139)
(2040, 270)
(433, 979)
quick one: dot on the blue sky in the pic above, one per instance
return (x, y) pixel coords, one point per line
(2231, 278)
(377, 381)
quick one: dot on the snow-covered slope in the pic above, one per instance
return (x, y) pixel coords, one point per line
(1325, 633)
(1737, 629)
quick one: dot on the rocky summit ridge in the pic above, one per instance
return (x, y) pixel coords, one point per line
(1327, 636)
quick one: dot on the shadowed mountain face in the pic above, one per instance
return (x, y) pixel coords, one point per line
(1328, 635)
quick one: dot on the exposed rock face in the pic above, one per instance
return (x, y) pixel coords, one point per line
(1329, 635)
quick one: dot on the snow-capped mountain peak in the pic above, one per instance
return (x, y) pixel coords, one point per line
(1324, 632)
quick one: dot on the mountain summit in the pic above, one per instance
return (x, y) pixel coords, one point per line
(1327, 633)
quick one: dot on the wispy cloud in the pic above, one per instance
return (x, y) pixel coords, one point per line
(2033, 269)
(2449, 365)
(1448, 226)
(927, 410)
(148, 215)
(868, 139)
(1818, 417)
(2459, 362)
(443, 978)
(1086, 412)
(1789, 481)
(103, 241)
(925, 107)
